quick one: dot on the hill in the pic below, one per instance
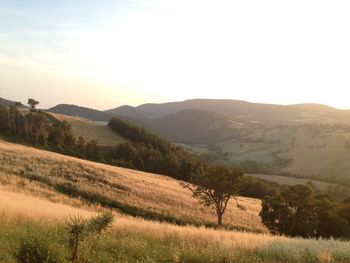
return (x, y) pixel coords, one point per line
(267, 114)
(195, 126)
(4, 102)
(132, 192)
(29, 205)
(83, 112)
(91, 130)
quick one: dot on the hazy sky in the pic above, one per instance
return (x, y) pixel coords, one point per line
(102, 54)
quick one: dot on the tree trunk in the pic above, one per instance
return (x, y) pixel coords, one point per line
(219, 218)
(75, 256)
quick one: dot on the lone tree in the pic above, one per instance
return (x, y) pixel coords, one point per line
(215, 186)
(32, 103)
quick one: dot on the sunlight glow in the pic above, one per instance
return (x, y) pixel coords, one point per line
(265, 51)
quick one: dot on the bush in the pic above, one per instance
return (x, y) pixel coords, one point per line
(36, 248)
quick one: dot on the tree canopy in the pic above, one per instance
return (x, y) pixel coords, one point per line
(215, 186)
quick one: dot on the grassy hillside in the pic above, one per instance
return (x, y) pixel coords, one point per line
(90, 130)
(131, 192)
(40, 211)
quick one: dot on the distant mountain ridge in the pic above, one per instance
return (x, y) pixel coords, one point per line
(269, 114)
(87, 113)
(4, 102)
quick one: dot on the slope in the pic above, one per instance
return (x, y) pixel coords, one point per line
(131, 192)
(267, 114)
(90, 130)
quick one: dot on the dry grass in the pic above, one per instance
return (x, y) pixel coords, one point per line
(20, 205)
(91, 130)
(35, 208)
(146, 191)
(134, 239)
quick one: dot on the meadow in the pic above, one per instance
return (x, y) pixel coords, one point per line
(137, 240)
(90, 130)
(33, 207)
(132, 192)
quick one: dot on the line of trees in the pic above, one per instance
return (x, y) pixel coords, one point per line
(144, 151)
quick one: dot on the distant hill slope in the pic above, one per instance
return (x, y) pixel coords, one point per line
(90, 130)
(267, 114)
(132, 192)
(87, 113)
(195, 126)
(4, 102)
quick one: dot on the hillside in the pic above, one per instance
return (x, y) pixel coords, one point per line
(195, 126)
(83, 112)
(4, 102)
(267, 114)
(32, 206)
(90, 130)
(131, 192)
(305, 140)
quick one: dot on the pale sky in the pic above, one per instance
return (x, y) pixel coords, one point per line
(106, 53)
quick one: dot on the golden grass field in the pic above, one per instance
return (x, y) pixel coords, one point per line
(146, 191)
(136, 239)
(90, 130)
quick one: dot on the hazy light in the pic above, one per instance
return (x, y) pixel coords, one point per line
(266, 51)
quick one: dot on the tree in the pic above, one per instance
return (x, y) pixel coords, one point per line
(32, 103)
(215, 186)
(80, 229)
(292, 213)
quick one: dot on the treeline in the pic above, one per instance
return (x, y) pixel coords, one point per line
(145, 151)
(36, 128)
(302, 211)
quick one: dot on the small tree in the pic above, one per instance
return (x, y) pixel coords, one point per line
(32, 103)
(80, 229)
(215, 186)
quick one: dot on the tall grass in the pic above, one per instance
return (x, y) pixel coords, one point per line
(135, 193)
(134, 240)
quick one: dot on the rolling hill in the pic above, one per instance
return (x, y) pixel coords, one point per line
(4, 102)
(32, 202)
(91, 130)
(83, 112)
(267, 114)
(195, 126)
(128, 191)
(309, 138)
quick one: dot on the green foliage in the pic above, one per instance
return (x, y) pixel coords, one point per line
(299, 211)
(257, 188)
(32, 103)
(149, 153)
(126, 245)
(80, 229)
(37, 247)
(215, 186)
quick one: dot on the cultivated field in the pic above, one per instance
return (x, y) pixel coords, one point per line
(90, 130)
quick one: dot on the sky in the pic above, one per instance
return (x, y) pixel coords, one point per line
(107, 53)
